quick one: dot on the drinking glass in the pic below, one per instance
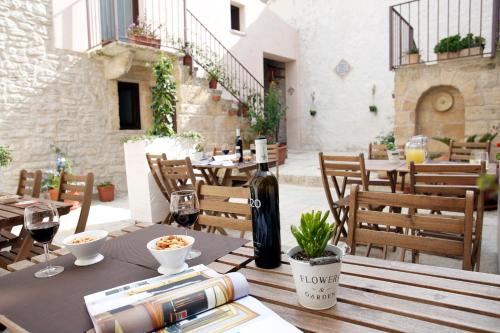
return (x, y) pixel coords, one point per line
(477, 156)
(225, 149)
(185, 208)
(42, 221)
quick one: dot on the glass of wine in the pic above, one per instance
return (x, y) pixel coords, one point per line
(225, 149)
(185, 208)
(42, 221)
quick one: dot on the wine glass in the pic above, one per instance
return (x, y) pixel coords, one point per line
(477, 156)
(42, 221)
(225, 149)
(185, 208)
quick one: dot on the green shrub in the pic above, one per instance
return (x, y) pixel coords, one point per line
(471, 41)
(448, 44)
(163, 99)
(314, 233)
(5, 156)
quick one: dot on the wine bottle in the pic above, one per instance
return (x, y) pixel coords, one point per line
(238, 149)
(265, 211)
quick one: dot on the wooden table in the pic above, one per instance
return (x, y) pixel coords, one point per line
(377, 295)
(209, 171)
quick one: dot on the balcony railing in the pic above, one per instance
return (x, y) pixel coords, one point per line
(465, 28)
(168, 25)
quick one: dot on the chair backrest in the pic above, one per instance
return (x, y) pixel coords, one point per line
(218, 212)
(30, 183)
(461, 151)
(176, 173)
(155, 171)
(377, 152)
(77, 188)
(460, 223)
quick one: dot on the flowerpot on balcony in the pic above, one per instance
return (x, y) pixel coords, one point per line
(187, 60)
(215, 98)
(53, 193)
(106, 192)
(282, 153)
(146, 41)
(212, 84)
(473, 51)
(447, 55)
(244, 111)
(412, 58)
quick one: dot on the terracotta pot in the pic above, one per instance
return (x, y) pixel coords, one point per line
(447, 55)
(473, 51)
(282, 153)
(106, 193)
(212, 84)
(215, 98)
(187, 60)
(233, 112)
(146, 41)
(53, 194)
(244, 111)
(412, 58)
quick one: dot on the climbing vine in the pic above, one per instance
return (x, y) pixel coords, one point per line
(163, 98)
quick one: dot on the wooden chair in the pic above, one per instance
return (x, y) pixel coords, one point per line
(176, 174)
(377, 152)
(217, 213)
(71, 187)
(461, 151)
(155, 171)
(342, 170)
(452, 181)
(459, 224)
(30, 183)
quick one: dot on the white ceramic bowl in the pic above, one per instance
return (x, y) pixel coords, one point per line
(171, 260)
(87, 253)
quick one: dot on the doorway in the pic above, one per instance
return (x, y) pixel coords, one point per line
(274, 71)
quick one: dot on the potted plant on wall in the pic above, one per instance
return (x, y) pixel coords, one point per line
(106, 191)
(243, 109)
(413, 56)
(187, 60)
(213, 75)
(315, 263)
(142, 33)
(5, 159)
(448, 47)
(472, 45)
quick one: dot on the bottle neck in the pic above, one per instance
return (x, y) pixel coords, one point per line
(263, 166)
(261, 154)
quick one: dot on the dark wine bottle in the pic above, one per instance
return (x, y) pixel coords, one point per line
(265, 211)
(238, 149)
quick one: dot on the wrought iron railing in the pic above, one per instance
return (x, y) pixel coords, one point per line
(168, 25)
(422, 24)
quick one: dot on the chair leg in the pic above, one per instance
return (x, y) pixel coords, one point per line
(168, 219)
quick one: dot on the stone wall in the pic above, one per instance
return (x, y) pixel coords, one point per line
(475, 79)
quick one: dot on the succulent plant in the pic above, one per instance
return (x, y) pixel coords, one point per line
(314, 233)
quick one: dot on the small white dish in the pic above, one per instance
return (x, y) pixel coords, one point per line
(86, 253)
(171, 260)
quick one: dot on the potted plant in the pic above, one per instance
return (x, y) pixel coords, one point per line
(213, 75)
(106, 191)
(312, 112)
(216, 95)
(5, 159)
(373, 108)
(142, 33)
(187, 60)
(448, 47)
(472, 45)
(244, 109)
(315, 263)
(198, 151)
(413, 56)
(392, 152)
(50, 183)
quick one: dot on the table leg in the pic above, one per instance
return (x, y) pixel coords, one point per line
(225, 181)
(213, 175)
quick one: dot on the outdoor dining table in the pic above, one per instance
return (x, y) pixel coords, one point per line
(210, 171)
(374, 295)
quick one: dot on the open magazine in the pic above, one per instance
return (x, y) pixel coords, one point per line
(196, 300)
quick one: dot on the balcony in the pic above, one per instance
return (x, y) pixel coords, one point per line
(427, 31)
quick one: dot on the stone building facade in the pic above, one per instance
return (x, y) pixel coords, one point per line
(469, 86)
(51, 96)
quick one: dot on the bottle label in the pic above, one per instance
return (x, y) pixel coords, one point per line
(261, 150)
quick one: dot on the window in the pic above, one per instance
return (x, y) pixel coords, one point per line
(129, 106)
(235, 18)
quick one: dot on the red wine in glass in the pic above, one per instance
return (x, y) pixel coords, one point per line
(185, 208)
(225, 151)
(43, 232)
(187, 217)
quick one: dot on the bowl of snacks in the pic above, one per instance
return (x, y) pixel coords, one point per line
(85, 246)
(171, 252)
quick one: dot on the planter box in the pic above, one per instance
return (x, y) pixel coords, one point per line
(146, 202)
(282, 154)
(447, 55)
(146, 41)
(412, 59)
(473, 51)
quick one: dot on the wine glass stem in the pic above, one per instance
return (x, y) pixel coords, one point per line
(46, 250)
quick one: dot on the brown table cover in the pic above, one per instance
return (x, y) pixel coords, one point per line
(56, 304)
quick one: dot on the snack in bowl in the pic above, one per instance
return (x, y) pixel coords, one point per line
(247, 158)
(171, 252)
(170, 242)
(85, 246)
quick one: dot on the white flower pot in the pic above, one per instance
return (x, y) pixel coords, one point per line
(393, 155)
(316, 286)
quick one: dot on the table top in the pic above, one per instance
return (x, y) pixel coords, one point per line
(400, 166)
(378, 295)
(57, 304)
(235, 166)
(11, 215)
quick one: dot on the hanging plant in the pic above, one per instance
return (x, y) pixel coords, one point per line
(5, 156)
(163, 99)
(373, 108)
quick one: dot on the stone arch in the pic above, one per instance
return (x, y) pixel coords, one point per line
(433, 123)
